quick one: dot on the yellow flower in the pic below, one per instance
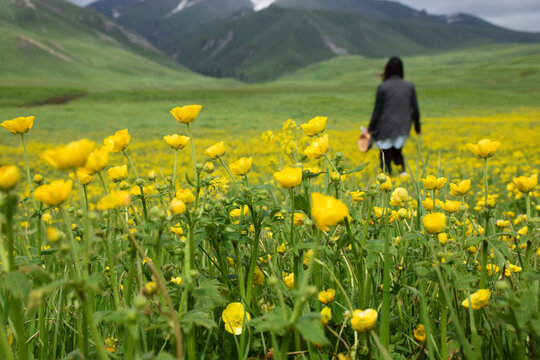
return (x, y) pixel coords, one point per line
(526, 184)
(362, 321)
(428, 204)
(358, 196)
(479, 299)
(177, 280)
(117, 173)
(485, 148)
(431, 182)
(307, 257)
(314, 126)
(289, 177)
(114, 200)
(150, 288)
(177, 230)
(442, 237)
(387, 184)
(298, 218)
(237, 212)
(177, 206)
(82, 176)
(281, 249)
(110, 344)
(420, 333)
(55, 193)
(399, 196)
(326, 315)
(97, 160)
(289, 280)
(54, 235)
(258, 276)
(215, 151)
(451, 206)
(233, 317)
(502, 223)
(491, 269)
(71, 156)
(18, 125)
(460, 189)
(327, 211)
(511, 268)
(186, 114)
(9, 177)
(326, 296)
(241, 166)
(117, 142)
(176, 141)
(185, 195)
(434, 223)
(317, 148)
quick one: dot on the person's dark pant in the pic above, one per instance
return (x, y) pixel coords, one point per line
(389, 155)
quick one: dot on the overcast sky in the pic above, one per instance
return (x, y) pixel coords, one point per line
(515, 14)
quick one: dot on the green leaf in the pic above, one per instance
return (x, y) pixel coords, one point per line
(356, 169)
(300, 203)
(312, 331)
(17, 285)
(531, 275)
(208, 296)
(196, 318)
(273, 322)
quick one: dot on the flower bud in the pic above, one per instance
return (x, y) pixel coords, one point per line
(139, 182)
(152, 175)
(124, 185)
(199, 166)
(139, 302)
(381, 178)
(38, 179)
(311, 291)
(339, 156)
(502, 285)
(272, 281)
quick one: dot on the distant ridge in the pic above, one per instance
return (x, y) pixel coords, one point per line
(227, 38)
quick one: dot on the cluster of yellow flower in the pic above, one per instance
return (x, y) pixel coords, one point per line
(273, 248)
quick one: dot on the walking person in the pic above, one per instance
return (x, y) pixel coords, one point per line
(396, 108)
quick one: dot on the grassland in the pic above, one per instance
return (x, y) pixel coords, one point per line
(489, 80)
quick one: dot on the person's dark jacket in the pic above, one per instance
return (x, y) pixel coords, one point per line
(396, 107)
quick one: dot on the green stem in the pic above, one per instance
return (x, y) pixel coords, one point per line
(102, 183)
(385, 318)
(5, 349)
(27, 165)
(112, 272)
(227, 168)
(173, 185)
(130, 163)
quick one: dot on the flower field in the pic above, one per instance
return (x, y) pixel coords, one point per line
(286, 244)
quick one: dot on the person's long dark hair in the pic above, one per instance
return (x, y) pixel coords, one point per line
(394, 67)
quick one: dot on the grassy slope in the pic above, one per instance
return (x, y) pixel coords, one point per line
(485, 81)
(301, 36)
(45, 48)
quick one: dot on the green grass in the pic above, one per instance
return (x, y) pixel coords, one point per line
(485, 81)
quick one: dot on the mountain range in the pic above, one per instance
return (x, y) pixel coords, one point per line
(228, 38)
(53, 42)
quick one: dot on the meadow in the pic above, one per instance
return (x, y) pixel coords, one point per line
(286, 242)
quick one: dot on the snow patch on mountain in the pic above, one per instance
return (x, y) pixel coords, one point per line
(182, 5)
(258, 5)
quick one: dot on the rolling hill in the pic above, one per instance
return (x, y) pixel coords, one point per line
(276, 41)
(227, 38)
(55, 43)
